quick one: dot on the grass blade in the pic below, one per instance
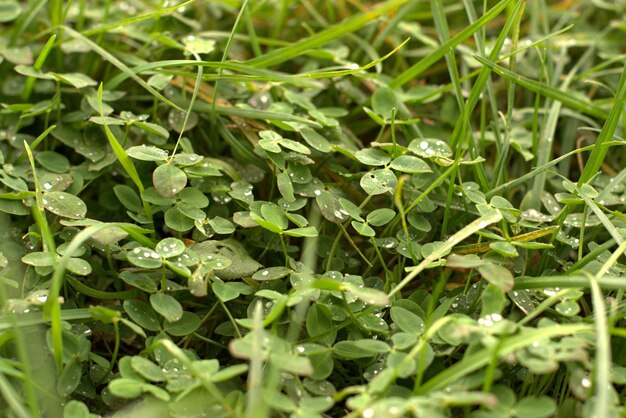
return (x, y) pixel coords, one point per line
(545, 90)
(480, 359)
(422, 65)
(608, 130)
(106, 55)
(443, 250)
(349, 25)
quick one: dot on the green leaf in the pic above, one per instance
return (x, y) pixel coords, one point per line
(78, 266)
(186, 325)
(363, 229)
(169, 180)
(157, 392)
(285, 187)
(503, 248)
(127, 197)
(407, 321)
(193, 197)
(53, 161)
(379, 181)
(380, 217)
(534, 407)
(384, 100)
(353, 210)
(221, 225)
(166, 306)
(410, 164)
(308, 231)
(271, 273)
(64, 204)
(170, 247)
(126, 388)
(319, 324)
(39, 259)
(177, 220)
(468, 261)
(142, 314)
(567, 308)
(498, 275)
(294, 146)
(315, 140)
(367, 294)
(9, 10)
(372, 156)
(224, 292)
(147, 369)
(147, 153)
(198, 45)
(78, 80)
(144, 257)
(275, 215)
(430, 148)
(69, 378)
(139, 280)
(363, 348)
(75, 409)
(330, 207)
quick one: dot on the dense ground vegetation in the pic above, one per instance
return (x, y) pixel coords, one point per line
(312, 208)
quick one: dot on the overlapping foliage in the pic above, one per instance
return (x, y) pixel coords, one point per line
(312, 209)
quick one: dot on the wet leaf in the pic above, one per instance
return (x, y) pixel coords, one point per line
(379, 181)
(169, 180)
(147, 153)
(64, 204)
(166, 306)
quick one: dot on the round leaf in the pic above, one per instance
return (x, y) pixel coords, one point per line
(170, 247)
(410, 164)
(363, 229)
(497, 275)
(169, 180)
(145, 258)
(379, 181)
(147, 153)
(64, 204)
(126, 388)
(186, 325)
(79, 266)
(9, 10)
(407, 321)
(430, 148)
(380, 217)
(147, 369)
(363, 348)
(372, 156)
(53, 161)
(142, 314)
(384, 101)
(166, 306)
(271, 273)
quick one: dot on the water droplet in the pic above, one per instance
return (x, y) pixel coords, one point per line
(47, 186)
(586, 382)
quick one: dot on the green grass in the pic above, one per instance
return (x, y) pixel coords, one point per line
(312, 209)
